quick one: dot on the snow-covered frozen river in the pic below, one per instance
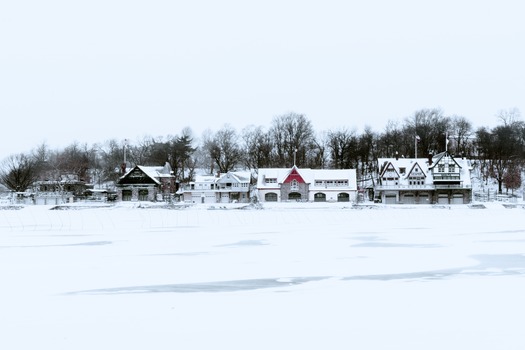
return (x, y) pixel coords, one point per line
(289, 276)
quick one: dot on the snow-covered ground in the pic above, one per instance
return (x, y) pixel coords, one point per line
(288, 276)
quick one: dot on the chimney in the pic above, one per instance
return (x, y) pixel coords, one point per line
(397, 156)
(429, 159)
(123, 168)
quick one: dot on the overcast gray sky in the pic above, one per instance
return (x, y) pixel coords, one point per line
(89, 71)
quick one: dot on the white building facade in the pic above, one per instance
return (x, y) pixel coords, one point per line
(439, 179)
(232, 187)
(306, 185)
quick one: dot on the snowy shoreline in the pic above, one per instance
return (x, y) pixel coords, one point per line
(302, 275)
(265, 206)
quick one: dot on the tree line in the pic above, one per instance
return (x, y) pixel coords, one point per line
(499, 152)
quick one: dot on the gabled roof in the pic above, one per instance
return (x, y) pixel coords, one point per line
(408, 164)
(235, 176)
(152, 172)
(438, 157)
(413, 167)
(294, 174)
(388, 166)
(463, 165)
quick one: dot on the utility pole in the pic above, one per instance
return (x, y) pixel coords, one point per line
(125, 147)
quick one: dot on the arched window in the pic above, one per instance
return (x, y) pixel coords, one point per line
(343, 197)
(294, 196)
(319, 197)
(270, 197)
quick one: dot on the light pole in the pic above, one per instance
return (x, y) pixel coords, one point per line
(125, 147)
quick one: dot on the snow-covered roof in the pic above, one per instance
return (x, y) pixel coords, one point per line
(154, 172)
(237, 176)
(157, 171)
(408, 164)
(308, 175)
(204, 179)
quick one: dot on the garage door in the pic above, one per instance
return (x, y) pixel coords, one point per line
(457, 199)
(443, 199)
(390, 199)
(423, 199)
(409, 199)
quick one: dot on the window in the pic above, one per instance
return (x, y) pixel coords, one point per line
(402, 170)
(451, 168)
(143, 195)
(270, 180)
(126, 195)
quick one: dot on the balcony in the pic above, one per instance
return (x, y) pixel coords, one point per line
(452, 187)
(404, 187)
(190, 188)
(446, 177)
(429, 187)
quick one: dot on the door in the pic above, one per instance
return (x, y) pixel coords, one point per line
(319, 197)
(294, 196)
(443, 199)
(390, 199)
(343, 197)
(409, 199)
(457, 199)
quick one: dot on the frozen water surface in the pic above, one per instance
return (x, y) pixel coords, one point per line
(289, 276)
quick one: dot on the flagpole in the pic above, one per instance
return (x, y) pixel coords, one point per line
(415, 145)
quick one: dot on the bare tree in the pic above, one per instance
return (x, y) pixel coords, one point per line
(258, 147)
(461, 133)
(317, 153)
(367, 151)
(74, 159)
(392, 140)
(500, 150)
(224, 149)
(430, 126)
(509, 116)
(18, 172)
(292, 136)
(111, 157)
(342, 145)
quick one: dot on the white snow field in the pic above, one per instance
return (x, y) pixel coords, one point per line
(289, 276)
